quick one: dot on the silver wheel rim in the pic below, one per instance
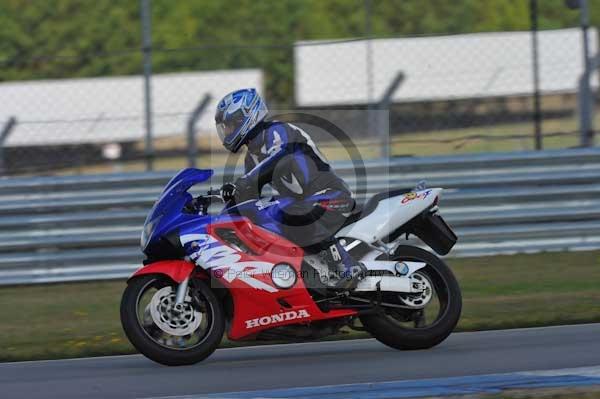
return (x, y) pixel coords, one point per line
(419, 300)
(161, 309)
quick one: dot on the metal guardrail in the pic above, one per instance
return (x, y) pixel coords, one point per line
(405, 165)
(75, 228)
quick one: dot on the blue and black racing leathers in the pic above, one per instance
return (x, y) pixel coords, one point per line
(314, 201)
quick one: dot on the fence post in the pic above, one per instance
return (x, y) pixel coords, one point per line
(537, 112)
(191, 134)
(6, 130)
(585, 99)
(147, 67)
(585, 92)
(384, 103)
(372, 122)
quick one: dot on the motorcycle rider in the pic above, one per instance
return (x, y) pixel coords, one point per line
(314, 200)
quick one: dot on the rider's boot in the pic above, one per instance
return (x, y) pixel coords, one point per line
(344, 271)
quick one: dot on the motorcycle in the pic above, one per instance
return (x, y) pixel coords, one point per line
(206, 274)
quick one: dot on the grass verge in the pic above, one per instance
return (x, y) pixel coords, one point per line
(493, 138)
(589, 392)
(82, 319)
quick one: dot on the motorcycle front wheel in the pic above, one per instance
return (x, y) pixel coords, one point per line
(173, 337)
(423, 320)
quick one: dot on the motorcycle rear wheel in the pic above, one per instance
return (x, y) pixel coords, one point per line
(389, 327)
(179, 341)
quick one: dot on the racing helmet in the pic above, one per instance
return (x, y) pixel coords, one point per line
(237, 114)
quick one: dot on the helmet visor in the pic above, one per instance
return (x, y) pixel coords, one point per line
(230, 125)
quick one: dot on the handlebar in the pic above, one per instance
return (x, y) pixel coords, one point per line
(201, 203)
(212, 192)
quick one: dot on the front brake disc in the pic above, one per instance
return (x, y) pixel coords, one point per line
(174, 323)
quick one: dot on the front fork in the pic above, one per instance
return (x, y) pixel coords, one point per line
(181, 293)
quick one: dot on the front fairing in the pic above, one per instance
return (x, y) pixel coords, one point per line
(167, 211)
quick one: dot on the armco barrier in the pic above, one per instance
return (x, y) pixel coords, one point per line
(76, 228)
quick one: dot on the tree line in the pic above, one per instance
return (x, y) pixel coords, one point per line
(41, 39)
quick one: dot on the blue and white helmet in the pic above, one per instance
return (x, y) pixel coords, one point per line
(237, 114)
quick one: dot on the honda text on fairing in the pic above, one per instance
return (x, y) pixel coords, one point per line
(206, 274)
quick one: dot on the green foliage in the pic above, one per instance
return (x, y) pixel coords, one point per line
(42, 39)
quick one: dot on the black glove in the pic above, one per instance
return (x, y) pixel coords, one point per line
(228, 191)
(198, 205)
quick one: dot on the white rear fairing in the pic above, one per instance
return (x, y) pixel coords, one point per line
(390, 214)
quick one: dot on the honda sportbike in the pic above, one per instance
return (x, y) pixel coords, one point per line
(208, 274)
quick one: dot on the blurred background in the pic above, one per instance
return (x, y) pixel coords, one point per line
(87, 87)
(102, 101)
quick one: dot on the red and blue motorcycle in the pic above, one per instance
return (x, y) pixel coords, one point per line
(206, 275)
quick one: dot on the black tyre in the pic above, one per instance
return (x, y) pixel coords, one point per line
(167, 337)
(409, 329)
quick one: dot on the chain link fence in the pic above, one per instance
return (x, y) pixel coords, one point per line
(441, 93)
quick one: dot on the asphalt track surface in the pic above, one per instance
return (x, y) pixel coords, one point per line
(305, 365)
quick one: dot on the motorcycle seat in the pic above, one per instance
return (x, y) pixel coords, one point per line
(361, 211)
